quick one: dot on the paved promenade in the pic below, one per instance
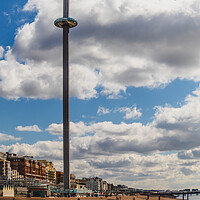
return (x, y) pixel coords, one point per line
(90, 198)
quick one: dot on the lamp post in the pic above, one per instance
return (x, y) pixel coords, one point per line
(66, 23)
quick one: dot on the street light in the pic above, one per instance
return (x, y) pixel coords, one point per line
(66, 23)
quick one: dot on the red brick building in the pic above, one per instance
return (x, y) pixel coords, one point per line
(27, 166)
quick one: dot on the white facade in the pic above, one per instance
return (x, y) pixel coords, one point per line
(15, 174)
(5, 169)
(8, 191)
(93, 184)
(105, 186)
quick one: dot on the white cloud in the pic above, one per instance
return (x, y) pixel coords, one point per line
(40, 149)
(172, 129)
(5, 137)
(130, 153)
(192, 154)
(157, 44)
(76, 129)
(33, 128)
(28, 81)
(1, 51)
(138, 54)
(157, 37)
(43, 82)
(130, 113)
(83, 82)
(111, 150)
(151, 171)
(102, 111)
(55, 129)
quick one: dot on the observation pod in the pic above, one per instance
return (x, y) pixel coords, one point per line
(61, 22)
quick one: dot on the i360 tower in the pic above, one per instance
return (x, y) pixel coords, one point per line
(66, 23)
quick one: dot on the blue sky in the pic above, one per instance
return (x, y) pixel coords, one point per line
(134, 106)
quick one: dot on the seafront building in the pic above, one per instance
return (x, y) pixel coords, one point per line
(22, 176)
(81, 183)
(72, 181)
(50, 171)
(5, 169)
(59, 177)
(110, 187)
(27, 166)
(39, 177)
(93, 184)
(105, 186)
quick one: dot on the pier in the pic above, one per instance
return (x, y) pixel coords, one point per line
(171, 194)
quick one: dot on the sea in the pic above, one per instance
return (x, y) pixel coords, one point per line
(192, 197)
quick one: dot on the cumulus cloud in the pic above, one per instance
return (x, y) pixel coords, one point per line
(40, 149)
(28, 81)
(131, 113)
(172, 129)
(111, 150)
(191, 154)
(187, 171)
(33, 128)
(1, 51)
(156, 37)
(76, 129)
(159, 42)
(132, 169)
(5, 137)
(149, 43)
(55, 129)
(83, 82)
(43, 82)
(102, 111)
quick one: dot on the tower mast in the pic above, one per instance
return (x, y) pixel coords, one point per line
(66, 23)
